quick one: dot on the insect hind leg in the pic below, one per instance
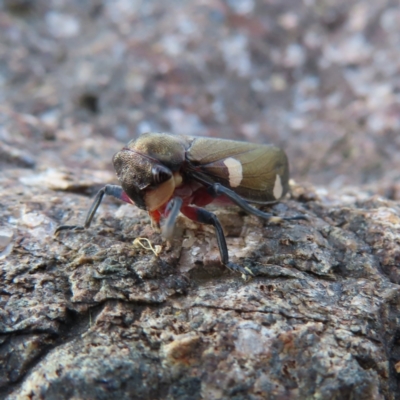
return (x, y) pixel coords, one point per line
(217, 190)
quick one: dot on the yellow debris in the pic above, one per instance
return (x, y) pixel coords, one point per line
(156, 249)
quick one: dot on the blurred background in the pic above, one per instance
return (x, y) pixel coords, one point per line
(78, 78)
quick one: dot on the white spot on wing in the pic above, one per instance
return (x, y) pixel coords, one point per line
(235, 171)
(278, 189)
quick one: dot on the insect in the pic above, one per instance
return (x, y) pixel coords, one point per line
(166, 174)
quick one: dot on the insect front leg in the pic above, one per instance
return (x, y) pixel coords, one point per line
(111, 190)
(172, 211)
(206, 217)
(217, 190)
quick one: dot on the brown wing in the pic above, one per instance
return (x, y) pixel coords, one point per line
(258, 173)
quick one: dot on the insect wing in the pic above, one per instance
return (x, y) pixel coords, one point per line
(258, 173)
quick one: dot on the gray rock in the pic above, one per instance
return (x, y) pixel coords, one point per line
(90, 315)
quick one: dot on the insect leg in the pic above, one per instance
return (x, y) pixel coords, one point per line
(206, 217)
(172, 210)
(217, 189)
(111, 190)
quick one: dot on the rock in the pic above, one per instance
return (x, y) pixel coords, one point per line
(92, 315)
(319, 317)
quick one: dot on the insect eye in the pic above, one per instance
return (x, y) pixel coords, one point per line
(160, 174)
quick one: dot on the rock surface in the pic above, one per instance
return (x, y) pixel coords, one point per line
(90, 315)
